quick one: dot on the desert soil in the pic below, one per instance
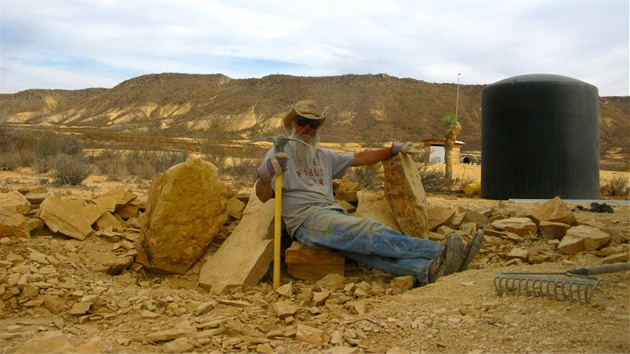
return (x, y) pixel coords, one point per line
(138, 312)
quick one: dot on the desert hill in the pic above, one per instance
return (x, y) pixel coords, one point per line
(367, 108)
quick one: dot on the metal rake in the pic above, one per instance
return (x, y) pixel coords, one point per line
(577, 285)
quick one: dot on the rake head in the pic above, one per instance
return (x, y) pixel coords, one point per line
(561, 287)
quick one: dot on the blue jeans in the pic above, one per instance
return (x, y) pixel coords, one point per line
(369, 242)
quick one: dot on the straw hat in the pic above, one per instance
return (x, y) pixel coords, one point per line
(307, 109)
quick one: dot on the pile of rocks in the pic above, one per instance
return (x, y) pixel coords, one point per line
(73, 263)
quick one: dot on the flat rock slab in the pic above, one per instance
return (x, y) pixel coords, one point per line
(406, 196)
(245, 256)
(71, 217)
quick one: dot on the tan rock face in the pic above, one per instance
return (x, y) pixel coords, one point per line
(14, 202)
(300, 260)
(245, 256)
(439, 216)
(553, 230)
(375, 206)
(185, 209)
(553, 210)
(13, 225)
(406, 196)
(115, 199)
(519, 226)
(71, 217)
(346, 189)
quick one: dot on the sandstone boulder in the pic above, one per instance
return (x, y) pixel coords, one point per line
(375, 206)
(518, 253)
(185, 210)
(439, 216)
(583, 238)
(553, 230)
(519, 226)
(346, 189)
(300, 260)
(71, 217)
(406, 196)
(235, 208)
(115, 198)
(13, 225)
(14, 202)
(553, 210)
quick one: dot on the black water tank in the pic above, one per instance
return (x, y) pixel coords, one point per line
(540, 138)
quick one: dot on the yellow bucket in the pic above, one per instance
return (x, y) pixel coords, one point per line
(472, 188)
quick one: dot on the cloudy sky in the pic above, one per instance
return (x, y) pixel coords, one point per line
(75, 44)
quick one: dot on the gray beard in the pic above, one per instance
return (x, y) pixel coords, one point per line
(302, 153)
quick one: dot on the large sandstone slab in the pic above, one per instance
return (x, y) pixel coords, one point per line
(71, 217)
(406, 196)
(245, 256)
(185, 210)
(309, 263)
(375, 206)
(583, 237)
(115, 198)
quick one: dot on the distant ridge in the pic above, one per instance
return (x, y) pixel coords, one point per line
(363, 108)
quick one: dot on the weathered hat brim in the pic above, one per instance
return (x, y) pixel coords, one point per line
(293, 113)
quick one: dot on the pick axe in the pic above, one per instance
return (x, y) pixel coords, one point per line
(279, 141)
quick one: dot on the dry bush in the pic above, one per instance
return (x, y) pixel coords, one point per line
(53, 144)
(366, 176)
(21, 148)
(146, 164)
(111, 163)
(432, 180)
(43, 164)
(213, 152)
(70, 169)
(243, 168)
(616, 187)
(12, 159)
(371, 176)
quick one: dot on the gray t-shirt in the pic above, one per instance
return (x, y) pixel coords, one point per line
(305, 191)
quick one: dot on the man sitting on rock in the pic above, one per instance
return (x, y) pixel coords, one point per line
(314, 218)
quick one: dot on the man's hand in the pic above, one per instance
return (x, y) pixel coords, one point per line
(406, 148)
(273, 166)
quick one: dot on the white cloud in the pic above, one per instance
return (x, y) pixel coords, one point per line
(93, 43)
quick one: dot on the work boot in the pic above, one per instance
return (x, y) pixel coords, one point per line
(472, 248)
(450, 260)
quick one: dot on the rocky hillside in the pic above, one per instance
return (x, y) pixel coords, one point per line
(367, 108)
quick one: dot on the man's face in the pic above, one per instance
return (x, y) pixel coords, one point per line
(304, 128)
(304, 154)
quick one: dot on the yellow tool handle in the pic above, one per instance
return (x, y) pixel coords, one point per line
(277, 233)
